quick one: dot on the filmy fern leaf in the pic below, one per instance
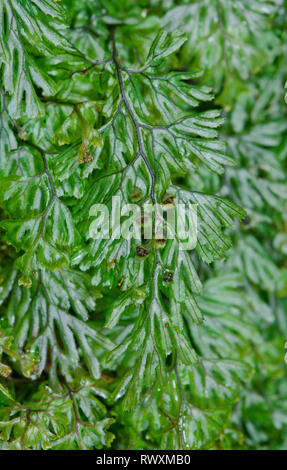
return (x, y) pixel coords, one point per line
(159, 104)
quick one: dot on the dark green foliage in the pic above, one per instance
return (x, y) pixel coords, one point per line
(117, 342)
